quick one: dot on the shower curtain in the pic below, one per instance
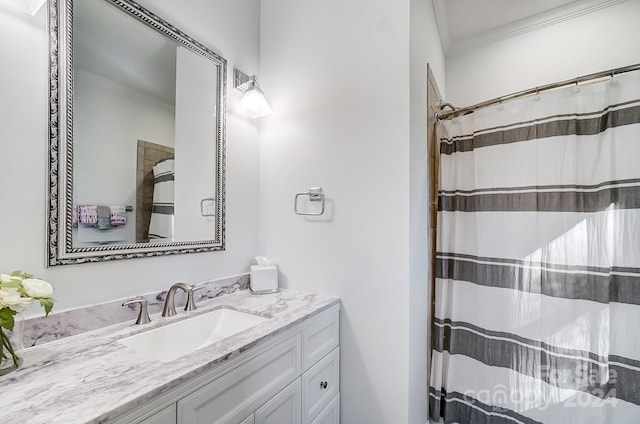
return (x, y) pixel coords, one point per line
(537, 316)
(162, 212)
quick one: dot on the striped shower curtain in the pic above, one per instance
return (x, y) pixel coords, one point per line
(537, 316)
(162, 211)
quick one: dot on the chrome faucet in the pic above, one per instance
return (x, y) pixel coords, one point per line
(169, 309)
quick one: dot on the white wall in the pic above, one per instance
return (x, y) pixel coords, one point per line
(230, 28)
(105, 154)
(195, 127)
(594, 42)
(348, 87)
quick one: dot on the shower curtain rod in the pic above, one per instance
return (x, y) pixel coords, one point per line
(536, 90)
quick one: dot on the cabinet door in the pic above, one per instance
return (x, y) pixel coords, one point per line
(283, 408)
(165, 416)
(330, 414)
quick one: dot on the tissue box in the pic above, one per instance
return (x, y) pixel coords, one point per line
(263, 279)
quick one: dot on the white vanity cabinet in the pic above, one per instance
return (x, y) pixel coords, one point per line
(292, 379)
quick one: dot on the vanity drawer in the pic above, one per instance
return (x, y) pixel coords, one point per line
(320, 338)
(331, 413)
(320, 385)
(165, 416)
(248, 420)
(284, 408)
(235, 395)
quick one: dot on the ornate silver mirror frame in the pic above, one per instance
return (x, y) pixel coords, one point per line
(60, 182)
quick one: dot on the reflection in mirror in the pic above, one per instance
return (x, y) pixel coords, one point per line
(143, 142)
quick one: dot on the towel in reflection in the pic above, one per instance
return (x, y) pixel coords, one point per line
(104, 218)
(118, 215)
(88, 215)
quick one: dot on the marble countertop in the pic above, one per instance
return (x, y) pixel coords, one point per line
(90, 377)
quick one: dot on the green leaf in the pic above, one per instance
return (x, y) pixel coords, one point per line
(6, 318)
(13, 284)
(47, 304)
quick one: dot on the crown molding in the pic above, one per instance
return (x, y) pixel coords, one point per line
(514, 29)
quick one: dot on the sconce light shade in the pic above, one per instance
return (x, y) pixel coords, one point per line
(28, 6)
(253, 103)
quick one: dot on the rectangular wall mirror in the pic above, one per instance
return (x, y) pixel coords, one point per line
(137, 135)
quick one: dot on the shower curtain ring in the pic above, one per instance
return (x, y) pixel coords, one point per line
(576, 88)
(613, 81)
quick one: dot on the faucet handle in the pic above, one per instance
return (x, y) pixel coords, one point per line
(191, 303)
(143, 315)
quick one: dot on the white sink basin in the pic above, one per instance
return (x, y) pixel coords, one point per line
(171, 341)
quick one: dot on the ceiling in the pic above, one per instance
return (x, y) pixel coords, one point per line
(110, 44)
(465, 24)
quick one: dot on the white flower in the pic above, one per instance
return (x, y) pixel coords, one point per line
(8, 278)
(37, 288)
(11, 298)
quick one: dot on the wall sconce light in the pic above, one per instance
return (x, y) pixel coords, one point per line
(28, 6)
(253, 103)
